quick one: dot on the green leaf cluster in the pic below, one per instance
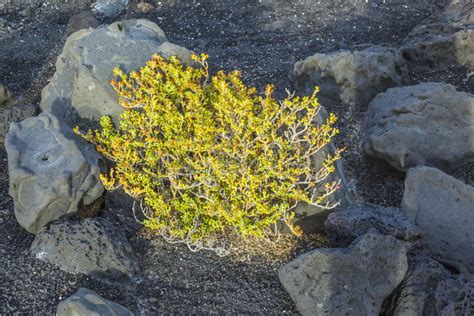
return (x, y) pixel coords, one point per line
(209, 156)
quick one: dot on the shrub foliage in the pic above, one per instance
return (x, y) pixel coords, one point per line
(209, 156)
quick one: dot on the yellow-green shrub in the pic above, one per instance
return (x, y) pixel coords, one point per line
(209, 156)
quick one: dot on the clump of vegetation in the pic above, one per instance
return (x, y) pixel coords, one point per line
(208, 156)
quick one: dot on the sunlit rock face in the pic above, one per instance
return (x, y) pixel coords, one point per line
(354, 77)
(429, 124)
(79, 92)
(52, 173)
(443, 208)
(444, 38)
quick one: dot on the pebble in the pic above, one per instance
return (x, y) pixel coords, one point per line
(145, 7)
(28, 12)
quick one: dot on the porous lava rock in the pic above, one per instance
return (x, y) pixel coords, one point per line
(343, 226)
(445, 38)
(354, 77)
(92, 246)
(346, 281)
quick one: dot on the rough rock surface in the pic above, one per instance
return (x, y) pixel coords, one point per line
(455, 295)
(88, 303)
(80, 87)
(342, 227)
(145, 7)
(6, 97)
(416, 294)
(347, 281)
(426, 124)
(355, 77)
(109, 8)
(51, 172)
(82, 20)
(92, 246)
(445, 37)
(443, 207)
(430, 289)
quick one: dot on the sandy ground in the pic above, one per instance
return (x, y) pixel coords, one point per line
(263, 39)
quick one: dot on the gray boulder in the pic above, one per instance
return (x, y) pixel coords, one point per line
(79, 92)
(92, 246)
(346, 281)
(426, 124)
(416, 294)
(342, 227)
(430, 289)
(109, 8)
(354, 77)
(444, 38)
(88, 303)
(52, 173)
(443, 207)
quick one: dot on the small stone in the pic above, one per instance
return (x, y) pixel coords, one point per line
(145, 7)
(6, 97)
(455, 295)
(93, 247)
(416, 294)
(88, 303)
(446, 37)
(109, 8)
(28, 12)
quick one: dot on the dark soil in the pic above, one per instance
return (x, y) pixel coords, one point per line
(261, 38)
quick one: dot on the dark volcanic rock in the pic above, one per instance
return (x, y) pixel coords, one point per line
(443, 207)
(342, 227)
(92, 246)
(346, 281)
(88, 303)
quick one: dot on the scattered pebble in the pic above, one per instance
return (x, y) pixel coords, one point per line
(145, 7)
